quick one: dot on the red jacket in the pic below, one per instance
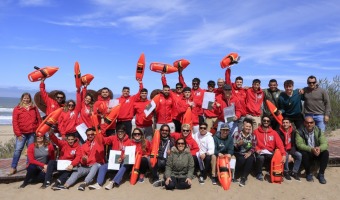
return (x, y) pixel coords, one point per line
(164, 109)
(239, 93)
(269, 140)
(86, 110)
(254, 102)
(191, 143)
(94, 150)
(67, 121)
(211, 113)
(141, 120)
(67, 152)
(126, 106)
(32, 158)
(117, 144)
(51, 104)
(101, 106)
(25, 121)
(139, 147)
(226, 103)
(176, 97)
(183, 106)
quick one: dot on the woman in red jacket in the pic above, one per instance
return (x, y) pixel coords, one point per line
(26, 119)
(68, 119)
(39, 153)
(86, 100)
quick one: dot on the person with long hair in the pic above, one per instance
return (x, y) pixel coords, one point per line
(86, 100)
(68, 119)
(39, 153)
(26, 119)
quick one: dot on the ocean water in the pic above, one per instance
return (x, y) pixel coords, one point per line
(6, 109)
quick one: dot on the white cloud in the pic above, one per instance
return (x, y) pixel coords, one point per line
(87, 23)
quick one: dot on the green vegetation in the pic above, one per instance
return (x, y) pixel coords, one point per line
(7, 149)
(333, 88)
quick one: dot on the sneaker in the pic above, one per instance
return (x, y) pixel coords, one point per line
(95, 186)
(23, 185)
(58, 187)
(141, 179)
(295, 176)
(201, 180)
(214, 180)
(235, 180)
(82, 187)
(242, 182)
(321, 178)
(45, 185)
(158, 183)
(259, 177)
(287, 176)
(309, 178)
(109, 186)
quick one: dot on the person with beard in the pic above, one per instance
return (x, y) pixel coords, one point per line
(244, 149)
(267, 140)
(271, 94)
(143, 122)
(51, 104)
(118, 142)
(288, 134)
(164, 109)
(68, 150)
(165, 145)
(254, 102)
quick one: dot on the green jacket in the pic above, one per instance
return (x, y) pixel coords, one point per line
(180, 165)
(319, 138)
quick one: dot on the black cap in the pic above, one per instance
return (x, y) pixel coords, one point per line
(227, 87)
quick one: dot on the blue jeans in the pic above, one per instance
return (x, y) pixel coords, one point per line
(102, 173)
(119, 176)
(19, 146)
(297, 162)
(233, 125)
(319, 121)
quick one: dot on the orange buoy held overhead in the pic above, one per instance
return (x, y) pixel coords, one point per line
(86, 79)
(183, 63)
(273, 110)
(140, 67)
(51, 120)
(162, 68)
(230, 59)
(77, 74)
(41, 73)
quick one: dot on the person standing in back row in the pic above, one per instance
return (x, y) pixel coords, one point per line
(317, 104)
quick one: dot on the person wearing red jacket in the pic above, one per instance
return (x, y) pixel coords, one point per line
(51, 104)
(209, 114)
(25, 121)
(68, 119)
(86, 100)
(254, 102)
(226, 100)
(126, 107)
(164, 109)
(267, 140)
(143, 122)
(92, 158)
(118, 142)
(197, 93)
(39, 154)
(102, 107)
(177, 96)
(69, 150)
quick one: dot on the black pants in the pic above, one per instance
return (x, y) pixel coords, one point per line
(34, 174)
(51, 167)
(160, 165)
(262, 160)
(308, 157)
(207, 166)
(144, 165)
(243, 165)
(178, 183)
(178, 125)
(128, 126)
(297, 120)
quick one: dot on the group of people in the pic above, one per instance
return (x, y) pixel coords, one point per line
(186, 149)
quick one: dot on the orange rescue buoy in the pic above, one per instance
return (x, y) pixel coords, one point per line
(187, 117)
(41, 73)
(50, 120)
(272, 108)
(276, 167)
(86, 79)
(135, 169)
(140, 67)
(155, 147)
(183, 63)
(224, 172)
(162, 68)
(229, 60)
(77, 75)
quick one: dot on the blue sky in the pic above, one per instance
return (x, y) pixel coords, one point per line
(275, 39)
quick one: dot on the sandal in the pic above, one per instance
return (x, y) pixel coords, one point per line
(13, 171)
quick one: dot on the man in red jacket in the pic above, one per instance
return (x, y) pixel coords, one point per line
(210, 116)
(51, 104)
(254, 102)
(126, 107)
(164, 109)
(267, 140)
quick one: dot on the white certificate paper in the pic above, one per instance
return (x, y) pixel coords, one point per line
(113, 160)
(63, 164)
(208, 100)
(149, 108)
(81, 128)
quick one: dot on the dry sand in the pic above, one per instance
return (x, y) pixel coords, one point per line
(254, 189)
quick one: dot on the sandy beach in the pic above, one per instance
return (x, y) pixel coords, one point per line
(254, 189)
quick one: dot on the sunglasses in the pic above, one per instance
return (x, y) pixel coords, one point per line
(70, 105)
(180, 143)
(165, 130)
(311, 82)
(120, 131)
(194, 83)
(90, 135)
(136, 134)
(204, 128)
(59, 97)
(178, 87)
(265, 120)
(186, 130)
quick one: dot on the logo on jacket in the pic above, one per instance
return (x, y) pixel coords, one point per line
(271, 138)
(73, 152)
